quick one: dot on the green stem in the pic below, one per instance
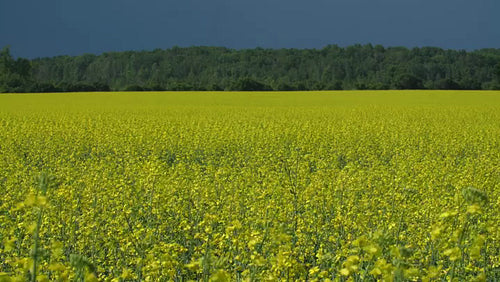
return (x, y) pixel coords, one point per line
(43, 185)
(36, 245)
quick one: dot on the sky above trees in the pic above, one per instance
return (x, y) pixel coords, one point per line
(35, 28)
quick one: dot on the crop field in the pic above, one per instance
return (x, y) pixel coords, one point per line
(290, 186)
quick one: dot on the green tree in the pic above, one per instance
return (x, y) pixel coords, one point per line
(408, 81)
(249, 84)
(214, 68)
(15, 75)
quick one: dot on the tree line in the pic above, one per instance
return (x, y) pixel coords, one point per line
(219, 69)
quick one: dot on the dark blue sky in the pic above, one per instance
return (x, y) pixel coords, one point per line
(37, 28)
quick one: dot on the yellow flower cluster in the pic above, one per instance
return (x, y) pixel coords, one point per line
(317, 186)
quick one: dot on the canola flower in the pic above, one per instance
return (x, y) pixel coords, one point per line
(316, 186)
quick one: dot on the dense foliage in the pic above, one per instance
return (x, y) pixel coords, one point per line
(212, 68)
(356, 186)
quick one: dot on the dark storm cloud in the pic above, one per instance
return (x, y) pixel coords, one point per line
(55, 27)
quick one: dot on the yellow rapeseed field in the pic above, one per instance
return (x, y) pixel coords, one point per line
(312, 186)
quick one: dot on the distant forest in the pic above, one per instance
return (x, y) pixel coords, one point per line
(218, 69)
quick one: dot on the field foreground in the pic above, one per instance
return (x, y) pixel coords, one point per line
(367, 185)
